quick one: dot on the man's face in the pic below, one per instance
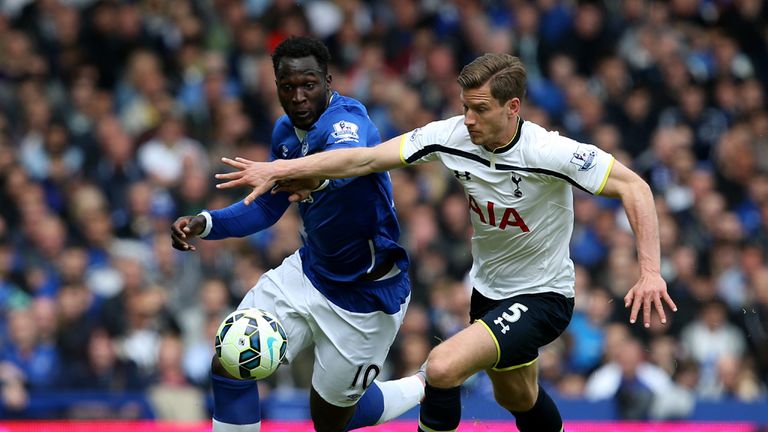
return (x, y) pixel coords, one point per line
(303, 90)
(486, 120)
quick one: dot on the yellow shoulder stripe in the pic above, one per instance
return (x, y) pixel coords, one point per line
(605, 179)
(402, 148)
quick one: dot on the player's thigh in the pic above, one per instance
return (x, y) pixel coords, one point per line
(460, 356)
(281, 291)
(521, 325)
(350, 349)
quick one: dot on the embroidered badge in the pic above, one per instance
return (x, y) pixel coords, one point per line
(584, 158)
(345, 131)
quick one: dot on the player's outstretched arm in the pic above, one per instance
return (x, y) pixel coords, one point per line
(649, 291)
(341, 163)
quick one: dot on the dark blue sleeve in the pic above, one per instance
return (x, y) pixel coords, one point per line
(338, 183)
(239, 220)
(363, 134)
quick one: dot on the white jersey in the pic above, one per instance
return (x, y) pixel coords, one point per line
(520, 201)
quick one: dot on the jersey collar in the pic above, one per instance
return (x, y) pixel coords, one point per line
(514, 140)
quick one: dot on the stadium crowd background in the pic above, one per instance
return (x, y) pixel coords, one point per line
(113, 115)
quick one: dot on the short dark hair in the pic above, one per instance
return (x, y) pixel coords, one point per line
(505, 73)
(302, 46)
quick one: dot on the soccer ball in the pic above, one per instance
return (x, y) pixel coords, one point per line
(250, 343)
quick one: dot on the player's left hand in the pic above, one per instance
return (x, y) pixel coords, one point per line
(647, 294)
(259, 175)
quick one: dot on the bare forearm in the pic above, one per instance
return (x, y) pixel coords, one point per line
(342, 163)
(641, 212)
(650, 291)
(332, 164)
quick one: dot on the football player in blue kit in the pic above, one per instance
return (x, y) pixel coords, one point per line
(346, 290)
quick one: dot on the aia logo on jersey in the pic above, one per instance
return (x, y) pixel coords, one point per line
(487, 214)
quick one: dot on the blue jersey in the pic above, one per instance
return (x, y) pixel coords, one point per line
(350, 226)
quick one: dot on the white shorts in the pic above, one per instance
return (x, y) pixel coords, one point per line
(350, 348)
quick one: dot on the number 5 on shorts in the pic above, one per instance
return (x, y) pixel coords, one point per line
(517, 310)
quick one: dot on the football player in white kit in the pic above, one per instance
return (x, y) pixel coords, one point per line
(518, 178)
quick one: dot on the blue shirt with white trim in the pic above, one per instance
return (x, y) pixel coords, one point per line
(350, 226)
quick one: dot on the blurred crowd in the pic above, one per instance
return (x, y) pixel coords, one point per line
(114, 114)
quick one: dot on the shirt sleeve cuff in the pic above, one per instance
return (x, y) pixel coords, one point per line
(208, 224)
(322, 186)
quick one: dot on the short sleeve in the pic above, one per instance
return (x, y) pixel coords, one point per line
(422, 144)
(584, 165)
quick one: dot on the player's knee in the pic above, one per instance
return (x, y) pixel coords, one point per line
(441, 372)
(218, 369)
(518, 400)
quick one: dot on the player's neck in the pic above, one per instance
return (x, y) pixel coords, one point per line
(507, 138)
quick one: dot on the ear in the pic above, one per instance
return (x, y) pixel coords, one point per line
(328, 79)
(513, 106)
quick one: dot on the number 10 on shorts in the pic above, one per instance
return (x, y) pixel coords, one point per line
(365, 376)
(516, 310)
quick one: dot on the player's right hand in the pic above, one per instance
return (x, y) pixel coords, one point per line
(184, 229)
(298, 189)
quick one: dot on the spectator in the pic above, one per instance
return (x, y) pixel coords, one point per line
(102, 369)
(630, 380)
(36, 360)
(213, 302)
(711, 337)
(678, 401)
(76, 306)
(169, 153)
(116, 170)
(172, 396)
(586, 330)
(755, 321)
(736, 380)
(707, 124)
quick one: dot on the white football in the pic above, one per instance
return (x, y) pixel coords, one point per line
(250, 343)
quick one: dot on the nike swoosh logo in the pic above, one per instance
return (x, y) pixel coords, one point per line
(270, 341)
